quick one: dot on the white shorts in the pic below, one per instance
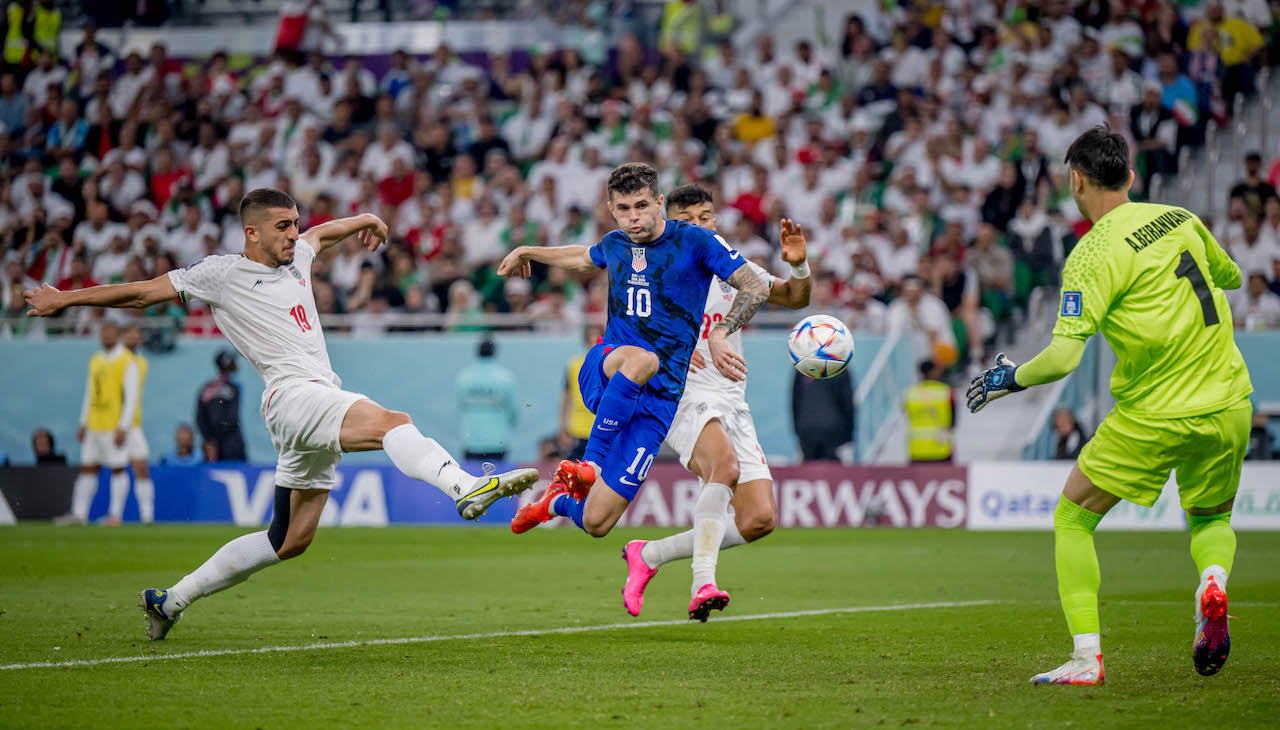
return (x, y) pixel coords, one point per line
(99, 449)
(696, 409)
(135, 445)
(304, 419)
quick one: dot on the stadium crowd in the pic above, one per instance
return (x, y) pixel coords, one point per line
(920, 147)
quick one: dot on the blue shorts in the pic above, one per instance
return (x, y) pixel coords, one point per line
(636, 446)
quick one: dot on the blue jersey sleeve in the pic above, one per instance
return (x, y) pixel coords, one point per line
(597, 253)
(717, 255)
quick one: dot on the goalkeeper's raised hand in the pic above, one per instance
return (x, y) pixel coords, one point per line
(993, 383)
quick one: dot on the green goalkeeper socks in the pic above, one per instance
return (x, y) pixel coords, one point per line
(1077, 563)
(1213, 542)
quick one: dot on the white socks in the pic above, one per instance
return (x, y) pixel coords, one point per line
(1087, 645)
(86, 485)
(119, 494)
(710, 513)
(232, 564)
(1219, 574)
(424, 459)
(145, 491)
(655, 553)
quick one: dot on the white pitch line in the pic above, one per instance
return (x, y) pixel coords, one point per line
(494, 635)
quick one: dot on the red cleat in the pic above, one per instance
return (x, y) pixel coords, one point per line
(538, 511)
(577, 477)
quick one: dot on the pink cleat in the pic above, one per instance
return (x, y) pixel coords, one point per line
(638, 575)
(708, 598)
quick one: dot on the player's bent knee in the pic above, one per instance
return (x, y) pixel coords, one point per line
(392, 419)
(596, 528)
(725, 473)
(641, 366)
(756, 525)
(294, 547)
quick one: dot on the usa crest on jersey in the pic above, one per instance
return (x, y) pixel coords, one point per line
(638, 261)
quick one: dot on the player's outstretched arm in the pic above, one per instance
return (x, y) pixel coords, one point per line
(794, 292)
(752, 294)
(370, 227)
(48, 301)
(574, 258)
(1054, 362)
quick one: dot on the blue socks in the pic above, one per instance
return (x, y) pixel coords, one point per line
(569, 507)
(614, 411)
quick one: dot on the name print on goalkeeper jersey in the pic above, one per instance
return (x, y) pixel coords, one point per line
(1149, 277)
(657, 292)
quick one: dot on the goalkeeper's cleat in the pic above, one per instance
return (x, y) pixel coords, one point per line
(538, 511)
(1213, 640)
(151, 601)
(577, 477)
(708, 598)
(489, 489)
(638, 575)
(1083, 669)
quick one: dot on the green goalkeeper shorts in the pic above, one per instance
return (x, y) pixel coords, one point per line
(1131, 456)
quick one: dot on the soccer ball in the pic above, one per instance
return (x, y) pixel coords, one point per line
(820, 346)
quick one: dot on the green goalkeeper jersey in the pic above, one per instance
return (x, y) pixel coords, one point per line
(1150, 277)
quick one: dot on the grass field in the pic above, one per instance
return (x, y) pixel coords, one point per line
(69, 594)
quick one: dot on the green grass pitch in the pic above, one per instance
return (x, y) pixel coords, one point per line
(70, 594)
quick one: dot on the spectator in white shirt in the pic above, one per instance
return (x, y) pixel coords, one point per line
(120, 185)
(109, 266)
(46, 72)
(95, 234)
(377, 158)
(125, 88)
(190, 241)
(1250, 246)
(482, 235)
(924, 318)
(1254, 306)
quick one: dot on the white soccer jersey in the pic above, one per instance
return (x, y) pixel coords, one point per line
(708, 380)
(268, 314)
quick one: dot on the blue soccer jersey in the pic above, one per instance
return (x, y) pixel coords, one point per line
(657, 292)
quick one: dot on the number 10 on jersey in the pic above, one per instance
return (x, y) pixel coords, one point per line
(639, 302)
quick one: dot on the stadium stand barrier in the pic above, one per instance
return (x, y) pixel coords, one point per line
(879, 396)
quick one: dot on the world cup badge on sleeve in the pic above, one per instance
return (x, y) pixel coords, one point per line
(638, 262)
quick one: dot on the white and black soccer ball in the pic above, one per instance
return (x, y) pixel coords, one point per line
(820, 346)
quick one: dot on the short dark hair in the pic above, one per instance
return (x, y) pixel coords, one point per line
(687, 196)
(632, 178)
(487, 348)
(1102, 156)
(257, 201)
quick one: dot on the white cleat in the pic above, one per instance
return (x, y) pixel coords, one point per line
(1081, 669)
(489, 489)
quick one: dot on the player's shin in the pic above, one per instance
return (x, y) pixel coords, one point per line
(82, 492)
(145, 490)
(231, 565)
(1213, 543)
(679, 546)
(119, 494)
(424, 459)
(710, 515)
(1078, 575)
(617, 405)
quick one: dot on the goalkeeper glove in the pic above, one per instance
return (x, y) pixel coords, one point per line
(993, 383)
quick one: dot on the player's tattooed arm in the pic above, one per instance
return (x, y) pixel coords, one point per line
(371, 229)
(794, 292)
(573, 258)
(752, 294)
(48, 301)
